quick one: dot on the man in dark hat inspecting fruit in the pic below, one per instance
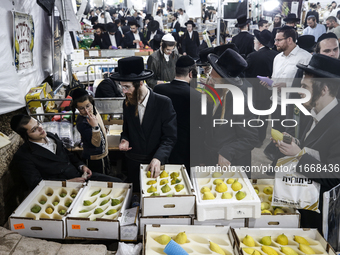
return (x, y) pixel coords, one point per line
(134, 38)
(150, 128)
(190, 41)
(114, 36)
(244, 40)
(100, 37)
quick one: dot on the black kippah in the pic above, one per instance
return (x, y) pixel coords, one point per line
(185, 61)
(326, 36)
(15, 121)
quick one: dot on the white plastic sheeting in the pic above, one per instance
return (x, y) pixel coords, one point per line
(14, 85)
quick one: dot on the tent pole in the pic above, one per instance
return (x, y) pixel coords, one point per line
(218, 22)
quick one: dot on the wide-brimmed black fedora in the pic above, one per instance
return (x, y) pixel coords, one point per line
(133, 23)
(306, 42)
(153, 25)
(190, 22)
(291, 18)
(111, 27)
(322, 67)
(242, 21)
(218, 50)
(131, 69)
(265, 37)
(203, 56)
(229, 66)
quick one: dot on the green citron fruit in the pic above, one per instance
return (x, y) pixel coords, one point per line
(164, 174)
(249, 241)
(265, 206)
(306, 249)
(266, 212)
(63, 194)
(35, 209)
(55, 203)
(175, 181)
(216, 174)
(103, 195)
(282, 239)
(268, 190)
(169, 195)
(216, 248)
(181, 238)
(240, 195)
(205, 189)
(174, 175)
(226, 195)
(83, 211)
(288, 251)
(68, 203)
(42, 202)
(248, 250)
(278, 210)
(87, 203)
(115, 202)
(104, 202)
(236, 186)
(163, 239)
(166, 188)
(95, 193)
(112, 211)
(62, 212)
(98, 210)
(73, 195)
(151, 189)
(208, 196)
(269, 250)
(230, 181)
(266, 240)
(154, 194)
(179, 187)
(217, 181)
(277, 135)
(162, 182)
(151, 182)
(301, 240)
(221, 187)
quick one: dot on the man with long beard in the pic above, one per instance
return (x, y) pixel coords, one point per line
(150, 127)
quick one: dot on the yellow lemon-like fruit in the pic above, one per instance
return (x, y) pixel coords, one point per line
(181, 238)
(205, 189)
(301, 240)
(148, 174)
(277, 135)
(226, 195)
(266, 240)
(164, 174)
(269, 250)
(163, 239)
(249, 241)
(221, 187)
(282, 239)
(248, 250)
(208, 196)
(49, 210)
(265, 206)
(306, 249)
(217, 181)
(151, 182)
(165, 188)
(236, 186)
(278, 210)
(151, 189)
(230, 181)
(174, 175)
(179, 187)
(240, 195)
(268, 190)
(288, 251)
(162, 182)
(216, 248)
(266, 212)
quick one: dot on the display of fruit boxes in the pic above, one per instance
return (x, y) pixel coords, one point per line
(163, 220)
(282, 217)
(97, 212)
(198, 239)
(290, 243)
(225, 199)
(171, 202)
(54, 198)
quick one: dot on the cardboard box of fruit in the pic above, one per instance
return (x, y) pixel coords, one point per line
(171, 193)
(43, 213)
(193, 239)
(281, 241)
(224, 195)
(163, 220)
(97, 212)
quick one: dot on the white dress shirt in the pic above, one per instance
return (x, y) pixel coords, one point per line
(142, 107)
(316, 31)
(113, 40)
(284, 67)
(137, 37)
(190, 34)
(152, 35)
(49, 145)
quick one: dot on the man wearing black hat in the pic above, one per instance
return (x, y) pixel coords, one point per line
(44, 157)
(244, 41)
(94, 20)
(185, 100)
(314, 28)
(149, 129)
(260, 63)
(153, 30)
(100, 37)
(134, 38)
(114, 36)
(321, 134)
(191, 41)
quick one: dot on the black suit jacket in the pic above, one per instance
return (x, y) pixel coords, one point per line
(37, 163)
(107, 88)
(148, 34)
(157, 135)
(260, 63)
(129, 38)
(244, 42)
(185, 100)
(102, 41)
(119, 39)
(190, 46)
(125, 29)
(177, 26)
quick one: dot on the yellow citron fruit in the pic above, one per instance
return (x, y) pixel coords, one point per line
(221, 187)
(266, 211)
(217, 181)
(181, 238)
(151, 189)
(216, 248)
(226, 195)
(165, 181)
(277, 135)
(269, 250)
(174, 175)
(32, 44)
(268, 190)
(174, 181)
(282, 239)
(49, 210)
(205, 189)
(216, 175)
(164, 174)
(163, 239)
(256, 190)
(266, 240)
(288, 251)
(17, 46)
(306, 249)
(278, 210)
(248, 250)
(270, 198)
(236, 186)
(240, 195)
(256, 252)
(151, 182)
(230, 181)
(249, 241)
(208, 196)
(301, 240)
(148, 174)
(265, 206)
(165, 188)
(179, 187)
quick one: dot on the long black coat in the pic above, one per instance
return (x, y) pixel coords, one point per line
(244, 42)
(157, 135)
(190, 46)
(119, 39)
(102, 41)
(260, 63)
(185, 100)
(129, 38)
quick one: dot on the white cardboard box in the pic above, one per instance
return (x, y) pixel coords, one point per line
(156, 220)
(114, 139)
(129, 224)
(235, 223)
(42, 228)
(101, 228)
(163, 205)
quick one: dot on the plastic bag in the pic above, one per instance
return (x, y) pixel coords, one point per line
(130, 249)
(66, 134)
(293, 189)
(76, 137)
(52, 127)
(331, 217)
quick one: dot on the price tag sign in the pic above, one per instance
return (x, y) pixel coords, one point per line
(75, 226)
(19, 226)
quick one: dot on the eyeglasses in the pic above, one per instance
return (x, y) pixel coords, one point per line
(125, 87)
(87, 107)
(35, 128)
(279, 40)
